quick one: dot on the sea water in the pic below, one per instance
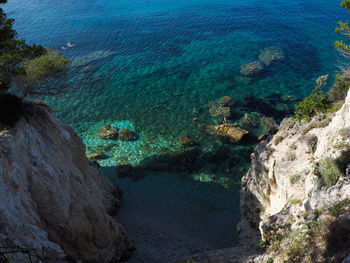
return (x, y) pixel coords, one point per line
(153, 66)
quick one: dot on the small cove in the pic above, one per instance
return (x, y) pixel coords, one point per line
(154, 66)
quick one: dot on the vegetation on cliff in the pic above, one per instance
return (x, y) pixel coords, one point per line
(24, 69)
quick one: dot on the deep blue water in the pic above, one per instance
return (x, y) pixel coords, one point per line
(153, 66)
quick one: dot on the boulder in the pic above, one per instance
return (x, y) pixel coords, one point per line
(271, 54)
(127, 135)
(107, 132)
(229, 131)
(252, 68)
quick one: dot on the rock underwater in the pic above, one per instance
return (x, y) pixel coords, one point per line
(271, 54)
(54, 201)
(252, 68)
(228, 131)
(107, 132)
(127, 135)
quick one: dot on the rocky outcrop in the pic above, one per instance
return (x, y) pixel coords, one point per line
(55, 203)
(293, 207)
(288, 189)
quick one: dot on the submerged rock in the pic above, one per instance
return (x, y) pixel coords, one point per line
(107, 132)
(252, 68)
(218, 110)
(228, 131)
(249, 120)
(271, 54)
(127, 135)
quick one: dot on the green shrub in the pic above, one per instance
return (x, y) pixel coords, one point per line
(270, 260)
(340, 208)
(47, 65)
(294, 201)
(340, 88)
(329, 171)
(300, 242)
(11, 110)
(317, 102)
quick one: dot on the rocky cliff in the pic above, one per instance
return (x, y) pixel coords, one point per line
(295, 198)
(297, 190)
(56, 205)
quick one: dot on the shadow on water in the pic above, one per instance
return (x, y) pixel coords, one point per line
(172, 191)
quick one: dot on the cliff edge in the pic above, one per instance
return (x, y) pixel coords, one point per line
(295, 198)
(56, 205)
(297, 191)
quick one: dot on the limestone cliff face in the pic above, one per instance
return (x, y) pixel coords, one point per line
(283, 189)
(54, 202)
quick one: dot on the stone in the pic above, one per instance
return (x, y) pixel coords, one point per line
(107, 132)
(252, 68)
(96, 156)
(229, 131)
(187, 141)
(226, 101)
(271, 54)
(127, 135)
(123, 169)
(218, 110)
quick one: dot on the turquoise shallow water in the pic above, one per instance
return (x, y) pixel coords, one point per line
(153, 66)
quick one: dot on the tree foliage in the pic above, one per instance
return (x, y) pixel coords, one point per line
(317, 102)
(20, 62)
(343, 28)
(340, 88)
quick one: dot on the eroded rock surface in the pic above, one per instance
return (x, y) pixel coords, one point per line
(54, 201)
(285, 192)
